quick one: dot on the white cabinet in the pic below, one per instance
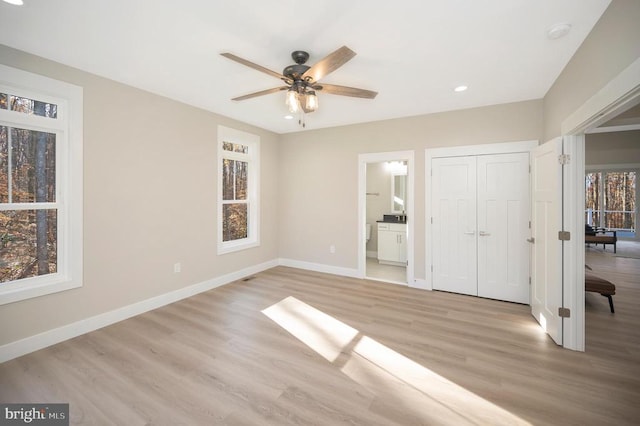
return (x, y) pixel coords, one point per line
(392, 243)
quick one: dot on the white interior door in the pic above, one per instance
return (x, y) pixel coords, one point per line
(503, 228)
(454, 224)
(546, 253)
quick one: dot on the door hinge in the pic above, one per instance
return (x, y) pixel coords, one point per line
(432, 220)
(529, 280)
(529, 168)
(431, 268)
(529, 224)
(564, 235)
(564, 312)
(564, 159)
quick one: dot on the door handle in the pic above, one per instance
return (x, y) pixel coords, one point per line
(531, 240)
(484, 234)
(470, 233)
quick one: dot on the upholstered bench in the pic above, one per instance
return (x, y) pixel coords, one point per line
(602, 239)
(600, 285)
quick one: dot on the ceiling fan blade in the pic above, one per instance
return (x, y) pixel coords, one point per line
(254, 66)
(328, 64)
(346, 91)
(260, 93)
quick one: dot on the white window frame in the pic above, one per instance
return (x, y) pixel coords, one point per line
(68, 127)
(616, 168)
(227, 134)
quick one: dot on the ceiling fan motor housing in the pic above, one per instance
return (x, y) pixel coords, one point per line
(295, 71)
(299, 56)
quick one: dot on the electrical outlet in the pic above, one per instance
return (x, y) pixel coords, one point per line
(332, 249)
(177, 267)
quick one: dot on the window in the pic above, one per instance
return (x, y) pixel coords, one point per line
(611, 199)
(40, 185)
(238, 210)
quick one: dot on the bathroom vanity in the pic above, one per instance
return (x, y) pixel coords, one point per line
(392, 243)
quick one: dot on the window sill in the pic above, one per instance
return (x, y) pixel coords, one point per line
(224, 248)
(35, 287)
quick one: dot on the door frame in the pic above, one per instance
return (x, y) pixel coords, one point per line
(458, 151)
(619, 94)
(379, 157)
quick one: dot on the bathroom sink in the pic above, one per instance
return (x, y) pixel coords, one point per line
(394, 218)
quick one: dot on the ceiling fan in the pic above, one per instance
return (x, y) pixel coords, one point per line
(302, 81)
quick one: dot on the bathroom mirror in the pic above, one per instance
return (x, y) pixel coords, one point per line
(398, 193)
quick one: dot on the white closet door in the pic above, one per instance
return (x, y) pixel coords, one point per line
(503, 228)
(454, 225)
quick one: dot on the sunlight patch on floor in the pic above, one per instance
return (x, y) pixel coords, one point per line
(404, 388)
(321, 332)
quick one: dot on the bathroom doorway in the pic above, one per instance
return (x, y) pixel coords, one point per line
(386, 217)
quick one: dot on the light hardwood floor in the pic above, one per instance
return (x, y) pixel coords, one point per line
(367, 353)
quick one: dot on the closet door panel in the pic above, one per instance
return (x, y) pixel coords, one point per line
(454, 224)
(503, 216)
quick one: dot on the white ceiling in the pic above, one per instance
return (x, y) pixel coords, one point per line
(413, 52)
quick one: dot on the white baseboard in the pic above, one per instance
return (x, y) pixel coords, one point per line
(347, 272)
(422, 284)
(39, 341)
(320, 267)
(372, 254)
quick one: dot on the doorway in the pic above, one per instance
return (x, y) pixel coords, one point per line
(386, 215)
(620, 94)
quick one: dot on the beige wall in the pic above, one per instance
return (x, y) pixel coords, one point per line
(149, 201)
(378, 181)
(319, 173)
(612, 45)
(612, 148)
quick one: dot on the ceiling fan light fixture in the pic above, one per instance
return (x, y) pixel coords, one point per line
(311, 101)
(292, 101)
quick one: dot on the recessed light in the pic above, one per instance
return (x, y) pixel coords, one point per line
(460, 88)
(14, 2)
(288, 117)
(558, 30)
